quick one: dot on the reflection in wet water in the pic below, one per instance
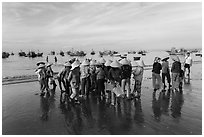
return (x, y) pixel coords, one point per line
(45, 108)
(177, 103)
(98, 113)
(138, 117)
(47, 102)
(165, 99)
(156, 106)
(161, 105)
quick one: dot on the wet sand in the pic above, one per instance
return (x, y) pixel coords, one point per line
(167, 113)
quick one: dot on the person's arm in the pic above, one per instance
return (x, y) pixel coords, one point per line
(70, 76)
(172, 67)
(51, 72)
(191, 62)
(184, 60)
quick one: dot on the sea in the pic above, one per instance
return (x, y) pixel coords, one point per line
(20, 66)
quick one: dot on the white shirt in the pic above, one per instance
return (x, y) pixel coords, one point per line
(188, 60)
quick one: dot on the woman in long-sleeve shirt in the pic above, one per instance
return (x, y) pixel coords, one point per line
(156, 78)
(175, 70)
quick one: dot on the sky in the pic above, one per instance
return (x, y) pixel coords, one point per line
(101, 26)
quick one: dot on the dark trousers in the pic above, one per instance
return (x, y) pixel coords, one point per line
(101, 86)
(85, 85)
(93, 81)
(167, 75)
(188, 67)
(67, 87)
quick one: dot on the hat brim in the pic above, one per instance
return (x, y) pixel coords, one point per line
(164, 59)
(74, 67)
(49, 65)
(40, 63)
(41, 66)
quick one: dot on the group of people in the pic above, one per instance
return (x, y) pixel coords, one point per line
(91, 76)
(45, 76)
(176, 70)
(79, 79)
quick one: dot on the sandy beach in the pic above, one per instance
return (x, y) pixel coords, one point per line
(57, 33)
(164, 113)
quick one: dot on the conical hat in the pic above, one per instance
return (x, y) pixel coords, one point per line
(98, 63)
(77, 60)
(137, 70)
(92, 62)
(41, 66)
(156, 59)
(134, 64)
(129, 61)
(40, 62)
(140, 63)
(124, 62)
(85, 63)
(115, 64)
(75, 64)
(49, 64)
(108, 62)
(67, 64)
(165, 58)
(175, 58)
(102, 61)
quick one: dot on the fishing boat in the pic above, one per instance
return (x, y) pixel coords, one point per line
(92, 52)
(22, 54)
(52, 52)
(32, 54)
(5, 55)
(175, 51)
(142, 52)
(117, 55)
(39, 54)
(136, 58)
(199, 54)
(132, 52)
(61, 53)
(77, 53)
(107, 52)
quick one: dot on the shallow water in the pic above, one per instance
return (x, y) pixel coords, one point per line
(159, 113)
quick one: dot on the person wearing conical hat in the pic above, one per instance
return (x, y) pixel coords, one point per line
(63, 76)
(125, 76)
(102, 62)
(115, 72)
(40, 62)
(165, 72)
(93, 75)
(107, 68)
(49, 75)
(114, 75)
(137, 71)
(175, 71)
(156, 78)
(74, 80)
(41, 72)
(85, 78)
(107, 79)
(100, 80)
